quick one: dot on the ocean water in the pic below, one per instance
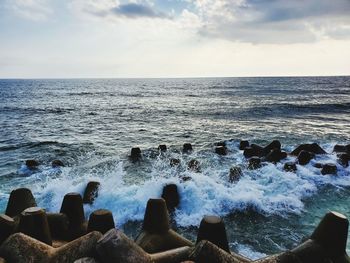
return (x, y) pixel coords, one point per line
(91, 125)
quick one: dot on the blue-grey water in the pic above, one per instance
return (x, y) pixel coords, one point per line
(91, 125)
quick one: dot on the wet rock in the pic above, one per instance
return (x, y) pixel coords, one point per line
(186, 178)
(221, 150)
(194, 165)
(91, 192)
(174, 162)
(222, 143)
(171, 196)
(101, 220)
(248, 152)
(235, 174)
(32, 164)
(274, 145)
(57, 163)
(187, 148)
(312, 148)
(59, 225)
(329, 168)
(290, 167)
(22, 248)
(344, 159)
(72, 207)
(318, 165)
(7, 226)
(212, 228)
(162, 148)
(135, 154)
(340, 148)
(275, 155)
(243, 144)
(19, 200)
(253, 150)
(254, 163)
(305, 157)
(33, 222)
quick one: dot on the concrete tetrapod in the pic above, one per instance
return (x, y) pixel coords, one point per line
(156, 235)
(22, 248)
(115, 246)
(19, 200)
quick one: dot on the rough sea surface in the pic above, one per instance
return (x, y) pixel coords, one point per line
(91, 125)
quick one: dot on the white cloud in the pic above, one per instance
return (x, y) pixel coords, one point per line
(37, 10)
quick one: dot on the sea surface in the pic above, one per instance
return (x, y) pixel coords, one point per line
(91, 125)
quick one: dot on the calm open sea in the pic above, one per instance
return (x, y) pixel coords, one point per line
(91, 125)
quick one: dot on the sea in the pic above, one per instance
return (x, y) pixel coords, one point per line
(92, 124)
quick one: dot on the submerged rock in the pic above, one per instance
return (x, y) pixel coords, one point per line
(187, 148)
(290, 167)
(235, 174)
(57, 163)
(329, 168)
(243, 144)
(305, 157)
(194, 165)
(221, 150)
(32, 164)
(254, 163)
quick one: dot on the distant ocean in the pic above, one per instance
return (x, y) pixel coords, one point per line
(91, 125)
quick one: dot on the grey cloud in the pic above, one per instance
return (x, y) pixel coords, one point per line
(133, 10)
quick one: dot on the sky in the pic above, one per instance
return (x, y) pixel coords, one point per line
(173, 38)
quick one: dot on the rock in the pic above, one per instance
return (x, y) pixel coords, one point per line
(172, 256)
(185, 178)
(194, 165)
(135, 154)
(221, 150)
(205, 251)
(101, 220)
(344, 159)
(91, 192)
(305, 157)
(212, 228)
(72, 207)
(33, 222)
(156, 235)
(19, 200)
(22, 248)
(274, 145)
(248, 152)
(329, 168)
(57, 163)
(312, 148)
(32, 164)
(258, 150)
(235, 174)
(114, 246)
(290, 167)
(59, 225)
(254, 163)
(86, 260)
(174, 162)
(222, 143)
(162, 148)
(275, 155)
(171, 196)
(318, 165)
(243, 144)
(7, 226)
(340, 148)
(187, 148)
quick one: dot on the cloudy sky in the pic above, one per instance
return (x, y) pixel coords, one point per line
(173, 38)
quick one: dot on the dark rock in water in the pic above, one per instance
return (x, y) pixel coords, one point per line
(254, 163)
(91, 192)
(57, 163)
(7, 226)
(275, 156)
(135, 154)
(329, 168)
(340, 148)
(174, 162)
(243, 144)
(312, 148)
(72, 207)
(194, 165)
(318, 165)
(223, 144)
(290, 167)
(156, 219)
(212, 228)
(187, 148)
(32, 164)
(272, 146)
(100, 220)
(248, 152)
(33, 222)
(171, 196)
(258, 150)
(221, 150)
(20, 199)
(344, 159)
(114, 246)
(162, 148)
(235, 174)
(305, 157)
(186, 178)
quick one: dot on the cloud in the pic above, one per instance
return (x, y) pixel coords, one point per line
(36, 10)
(134, 10)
